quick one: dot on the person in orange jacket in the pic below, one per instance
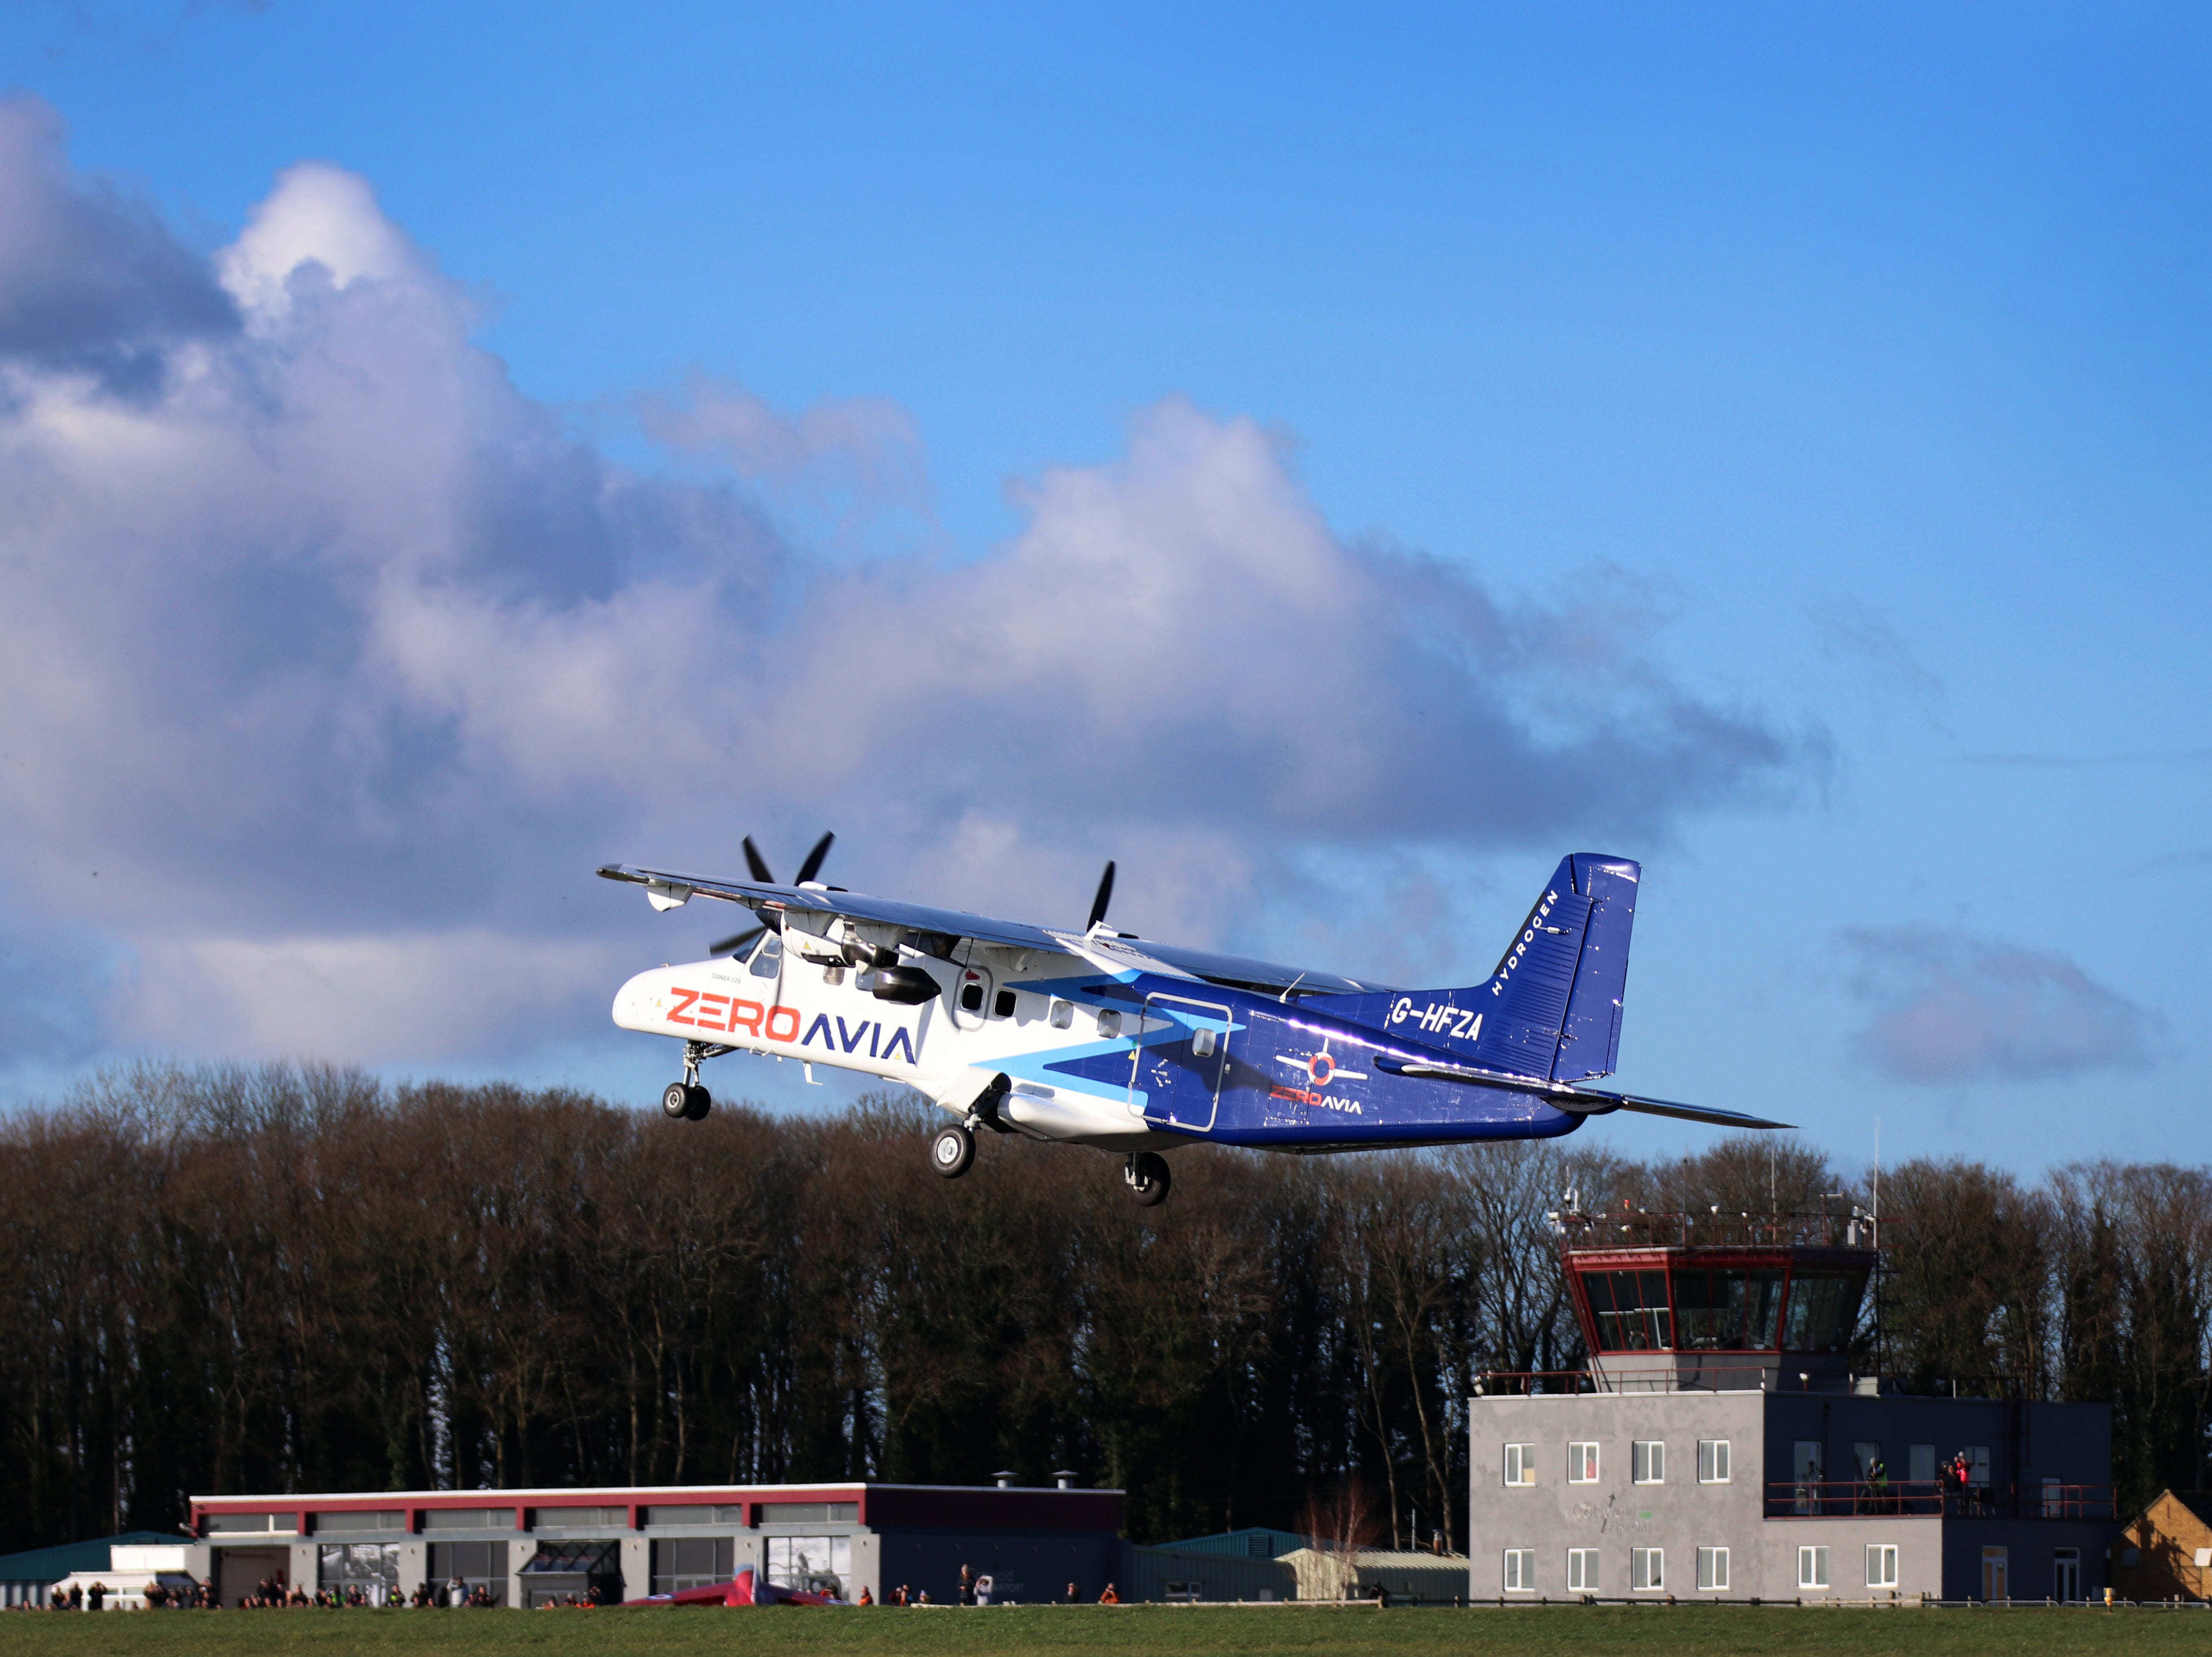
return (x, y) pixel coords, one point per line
(1109, 1598)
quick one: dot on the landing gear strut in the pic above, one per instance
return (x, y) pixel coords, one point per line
(952, 1150)
(1148, 1178)
(686, 1101)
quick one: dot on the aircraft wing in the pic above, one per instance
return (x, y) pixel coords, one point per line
(1248, 975)
(778, 899)
(669, 889)
(1580, 1101)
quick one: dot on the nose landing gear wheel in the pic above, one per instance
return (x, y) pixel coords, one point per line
(951, 1152)
(1148, 1179)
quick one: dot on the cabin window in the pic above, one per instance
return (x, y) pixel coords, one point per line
(1109, 1024)
(1201, 1043)
(971, 998)
(1727, 1311)
(1063, 1013)
(1824, 1309)
(1630, 1309)
(767, 959)
(1004, 1006)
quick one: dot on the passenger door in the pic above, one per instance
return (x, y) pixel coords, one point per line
(1178, 1059)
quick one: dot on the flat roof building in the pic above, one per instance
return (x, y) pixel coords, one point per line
(525, 1547)
(1718, 1444)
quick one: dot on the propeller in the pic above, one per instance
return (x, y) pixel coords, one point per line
(736, 942)
(1105, 896)
(812, 867)
(757, 866)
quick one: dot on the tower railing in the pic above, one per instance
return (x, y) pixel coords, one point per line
(1805, 1498)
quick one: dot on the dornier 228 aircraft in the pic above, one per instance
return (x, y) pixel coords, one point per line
(1102, 1038)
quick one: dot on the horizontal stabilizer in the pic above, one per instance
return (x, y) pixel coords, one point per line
(1576, 1102)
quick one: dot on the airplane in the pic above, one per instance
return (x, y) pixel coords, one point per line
(1102, 1038)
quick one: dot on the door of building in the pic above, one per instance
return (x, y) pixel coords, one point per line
(2066, 1574)
(1806, 1470)
(239, 1571)
(1996, 1573)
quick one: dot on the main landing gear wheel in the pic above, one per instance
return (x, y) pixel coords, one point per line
(1148, 1178)
(686, 1102)
(952, 1150)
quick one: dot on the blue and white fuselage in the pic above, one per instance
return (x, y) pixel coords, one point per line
(1101, 1038)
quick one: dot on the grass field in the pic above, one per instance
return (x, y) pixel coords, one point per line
(1157, 1631)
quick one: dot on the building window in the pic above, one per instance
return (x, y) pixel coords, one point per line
(1581, 1464)
(1520, 1571)
(1920, 1463)
(371, 1567)
(1881, 1565)
(692, 1562)
(1520, 1463)
(475, 1565)
(1713, 1569)
(1647, 1571)
(1712, 1461)
(809, 1513)
(1648, 1461)
(812, 1564)
(1812, 1568)
(1581, 1571)
(1978, 1465)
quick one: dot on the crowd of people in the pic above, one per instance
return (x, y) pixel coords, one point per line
(275, 1593)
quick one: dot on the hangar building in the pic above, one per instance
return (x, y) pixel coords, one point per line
(526, 1547)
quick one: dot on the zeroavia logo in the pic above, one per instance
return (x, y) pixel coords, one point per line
(704, 1010)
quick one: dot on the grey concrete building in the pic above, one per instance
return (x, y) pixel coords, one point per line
(1718, 1446)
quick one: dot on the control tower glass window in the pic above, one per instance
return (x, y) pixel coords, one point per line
(1630, 1309)
(1727, 1310)
(1824, 1309)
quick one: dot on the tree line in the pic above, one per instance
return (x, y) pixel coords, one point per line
(291, 1279)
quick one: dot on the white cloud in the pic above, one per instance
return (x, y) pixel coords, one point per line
(1945, 1006)
(346, 665)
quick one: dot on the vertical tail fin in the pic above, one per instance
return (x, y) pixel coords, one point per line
(1552, 1008)
(1589, 1036)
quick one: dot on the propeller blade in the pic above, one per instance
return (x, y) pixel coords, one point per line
(812, 867)
(757, 864)
(732, 945)
(1105, 896)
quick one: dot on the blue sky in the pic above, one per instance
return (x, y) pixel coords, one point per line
(1780, 438)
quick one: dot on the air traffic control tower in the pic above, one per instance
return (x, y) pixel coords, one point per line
(1732, 1437)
